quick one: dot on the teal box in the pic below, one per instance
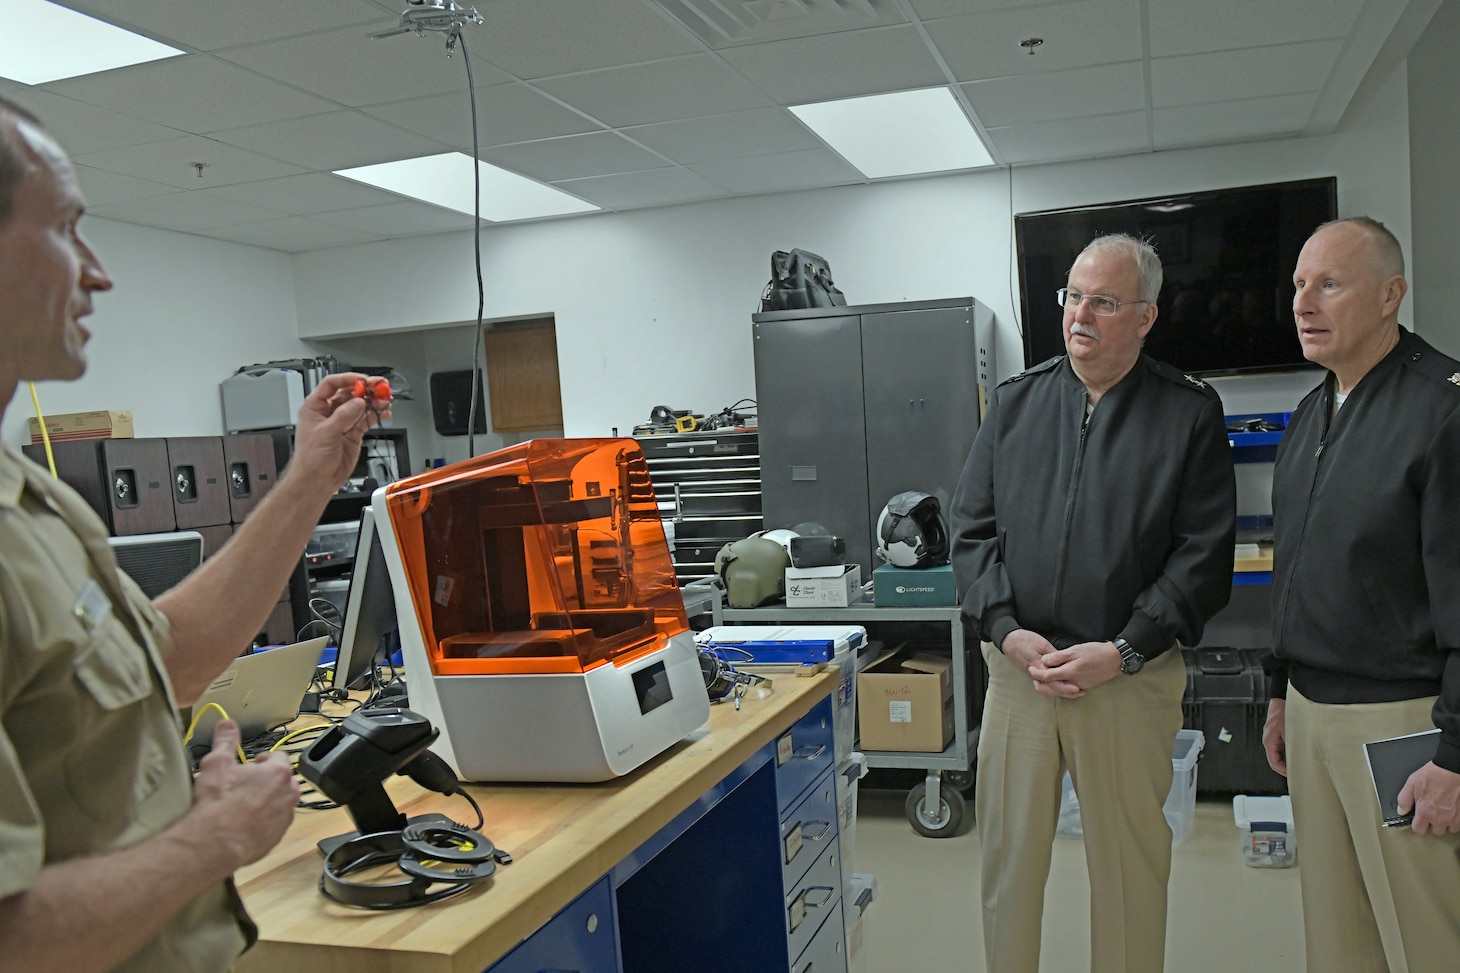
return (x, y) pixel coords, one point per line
(914, 587)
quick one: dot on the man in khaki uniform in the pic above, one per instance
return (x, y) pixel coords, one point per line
(1366, 619)
(1092, 528)
(111, 857)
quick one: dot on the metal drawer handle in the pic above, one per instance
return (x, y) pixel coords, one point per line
(825, 827)
(826, 893)
(813, 754)
(678, 506)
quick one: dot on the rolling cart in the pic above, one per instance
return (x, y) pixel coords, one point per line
(935, 807)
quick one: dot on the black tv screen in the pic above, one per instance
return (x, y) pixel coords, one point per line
(1226, 303)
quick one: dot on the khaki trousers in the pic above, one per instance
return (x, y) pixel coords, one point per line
(1375, 899)
(1117, 742)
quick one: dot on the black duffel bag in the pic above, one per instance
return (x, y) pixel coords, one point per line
(800, 279)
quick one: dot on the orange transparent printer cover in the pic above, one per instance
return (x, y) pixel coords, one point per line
(546, 557)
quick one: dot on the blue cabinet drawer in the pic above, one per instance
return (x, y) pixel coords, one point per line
(807, 830)
(816, 896)
(580, 939)
(827, 952)
(804, 753)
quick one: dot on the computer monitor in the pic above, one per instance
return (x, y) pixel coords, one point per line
(158, 561)
(369, 611)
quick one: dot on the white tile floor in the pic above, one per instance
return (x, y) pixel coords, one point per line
(1224, 915)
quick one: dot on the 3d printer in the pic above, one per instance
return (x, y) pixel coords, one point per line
(540, 622)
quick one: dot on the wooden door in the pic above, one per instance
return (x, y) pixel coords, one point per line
(522, 377)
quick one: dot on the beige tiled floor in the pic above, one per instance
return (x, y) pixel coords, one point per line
(1224, 915)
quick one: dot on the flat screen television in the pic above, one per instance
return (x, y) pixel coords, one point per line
(1226, 304)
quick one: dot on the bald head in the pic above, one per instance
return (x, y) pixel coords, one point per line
(17, 158)
(1385, 256)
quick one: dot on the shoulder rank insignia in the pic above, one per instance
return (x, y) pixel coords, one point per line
(1201, 385)
(1454, 379)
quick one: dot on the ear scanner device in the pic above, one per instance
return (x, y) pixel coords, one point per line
(541, 624)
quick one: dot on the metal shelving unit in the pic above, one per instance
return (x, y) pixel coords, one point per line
(935, 807)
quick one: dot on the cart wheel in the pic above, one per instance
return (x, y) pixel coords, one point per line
(961, 779)
(948, 818)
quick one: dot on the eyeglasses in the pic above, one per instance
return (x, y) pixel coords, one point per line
(1103, 306)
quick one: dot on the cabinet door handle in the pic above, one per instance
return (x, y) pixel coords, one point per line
(678, 506)
(826, 893)
(825, 827)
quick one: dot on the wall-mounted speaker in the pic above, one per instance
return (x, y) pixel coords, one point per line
(451, 399)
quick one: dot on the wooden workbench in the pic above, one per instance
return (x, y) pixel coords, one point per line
(564, 837)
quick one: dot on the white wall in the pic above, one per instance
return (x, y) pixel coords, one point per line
(653, 307)
(1434, 78)
(185, 313)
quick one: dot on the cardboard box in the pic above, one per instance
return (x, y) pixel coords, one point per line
(918, 587)
(84, 425)
(832, 586)
(906, 703)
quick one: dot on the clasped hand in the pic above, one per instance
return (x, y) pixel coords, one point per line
(1066, 673)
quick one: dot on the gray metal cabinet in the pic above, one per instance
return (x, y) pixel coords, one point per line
(857, 404)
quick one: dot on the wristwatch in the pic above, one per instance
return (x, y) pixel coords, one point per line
(1131, 661)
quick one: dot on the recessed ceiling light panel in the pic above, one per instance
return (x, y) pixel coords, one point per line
(446, 180)
(42, 42)
(900, 134)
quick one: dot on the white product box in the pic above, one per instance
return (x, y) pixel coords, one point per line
(833, 586)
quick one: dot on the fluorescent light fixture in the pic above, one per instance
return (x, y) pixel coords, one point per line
(446, 180)
(42, 42)
(899, 134)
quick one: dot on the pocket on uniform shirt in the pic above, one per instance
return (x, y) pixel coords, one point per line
(114, 671)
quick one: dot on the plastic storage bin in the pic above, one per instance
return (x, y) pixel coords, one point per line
(1266, 825)
(1180, 806)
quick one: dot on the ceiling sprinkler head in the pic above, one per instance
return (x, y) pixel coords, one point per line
(200, 166)
(1030, 43)
(439, 16)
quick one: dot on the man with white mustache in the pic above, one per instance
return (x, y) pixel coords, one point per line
(1093, 528)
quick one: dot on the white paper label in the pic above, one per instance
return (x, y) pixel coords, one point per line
(445, 584)
(899, 711)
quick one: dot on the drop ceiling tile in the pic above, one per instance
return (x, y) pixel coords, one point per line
(195, 93)
(210, 25)
(1023, 99)
(170, 162)
(100, 186)
(631, 190)
(1195, 26)
(842, 65)
(400, 218)
(337, 140)
(763, 131)
(1076, 35)
(733, 22)
(532, 39)
(1074, 138)
(660, 91)
(505, 113)
(348, 67)
(291, 233)
(313, 192)
(573, 157)
(187, 212)
(1232, 121)
(936, 9)
(1195, 79)
(806, 169)
(80, 127)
